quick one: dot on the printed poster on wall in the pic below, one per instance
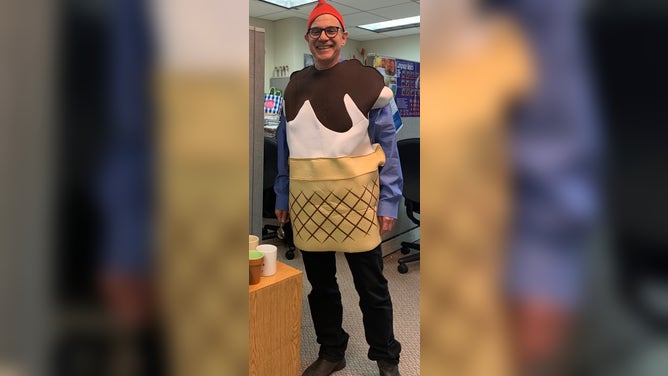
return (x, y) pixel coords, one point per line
(403, 77)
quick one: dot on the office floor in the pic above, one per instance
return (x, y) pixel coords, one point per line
(404, 289)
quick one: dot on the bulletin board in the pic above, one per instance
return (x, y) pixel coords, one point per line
(403, 77)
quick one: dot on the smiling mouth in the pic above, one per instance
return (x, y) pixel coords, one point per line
(323, 47)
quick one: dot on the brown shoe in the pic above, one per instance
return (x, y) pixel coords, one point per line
(388, 369)
(323, 367)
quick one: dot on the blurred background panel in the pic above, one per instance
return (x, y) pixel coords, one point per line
(27, 133)
(83, 125)
(625, 329)
(82, 338)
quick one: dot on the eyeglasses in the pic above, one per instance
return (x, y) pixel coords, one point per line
(330, 31)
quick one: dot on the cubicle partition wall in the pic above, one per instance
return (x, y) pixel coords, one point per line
(256, 128)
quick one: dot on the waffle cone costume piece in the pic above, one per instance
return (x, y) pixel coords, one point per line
(334, 179)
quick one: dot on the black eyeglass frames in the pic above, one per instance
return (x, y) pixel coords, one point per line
(330, 31)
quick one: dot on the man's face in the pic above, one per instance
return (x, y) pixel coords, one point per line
(326, 50)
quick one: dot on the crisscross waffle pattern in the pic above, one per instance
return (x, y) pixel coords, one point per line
(340, 214)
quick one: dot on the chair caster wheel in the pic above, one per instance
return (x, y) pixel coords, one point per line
(290, 254)
(402, 268)
(405, 250)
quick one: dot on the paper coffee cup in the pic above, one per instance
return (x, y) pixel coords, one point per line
(255, 261)
(253, 242)
(269, 264)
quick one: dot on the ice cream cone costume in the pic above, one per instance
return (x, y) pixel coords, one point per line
(334, 178)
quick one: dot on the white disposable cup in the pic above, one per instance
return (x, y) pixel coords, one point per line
(269, 264)
(253, 242)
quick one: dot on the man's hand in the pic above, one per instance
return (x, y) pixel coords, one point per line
(386, 224)
(541, 330)
(283, 216)
(128, 298)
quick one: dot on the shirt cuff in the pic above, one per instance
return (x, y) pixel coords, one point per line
(546, 274)
(388, 208)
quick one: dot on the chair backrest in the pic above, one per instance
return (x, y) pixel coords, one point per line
(270, 162)
(409, 157)
(268, 177)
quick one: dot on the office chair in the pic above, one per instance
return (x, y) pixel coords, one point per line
(409, 157)
(269, 231)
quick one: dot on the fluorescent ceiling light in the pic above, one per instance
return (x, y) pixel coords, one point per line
(402, 23)
(288, 4)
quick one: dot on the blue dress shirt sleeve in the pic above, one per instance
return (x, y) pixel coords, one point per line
(557, 154)
(282, 182)
(383, 132)
(124, 184)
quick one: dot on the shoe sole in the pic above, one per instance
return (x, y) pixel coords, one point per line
(341, 365)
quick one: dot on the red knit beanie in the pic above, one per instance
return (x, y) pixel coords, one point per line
(324, 8)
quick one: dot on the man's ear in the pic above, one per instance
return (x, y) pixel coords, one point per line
(306, 37)
(344, 38)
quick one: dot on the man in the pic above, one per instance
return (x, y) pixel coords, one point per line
(558, 151)
(341, 188)
(124, 189)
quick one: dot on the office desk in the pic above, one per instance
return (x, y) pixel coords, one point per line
(275, 316)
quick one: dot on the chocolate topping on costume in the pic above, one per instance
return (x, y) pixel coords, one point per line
(326, 89)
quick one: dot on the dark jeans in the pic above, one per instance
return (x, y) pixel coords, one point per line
(327, 311)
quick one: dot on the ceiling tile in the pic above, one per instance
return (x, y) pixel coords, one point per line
(345, 9)
(355, 33)
(373, 36)
(398, 11)
(302, 12)
(304, 9)
(259, 9)
(374, 10)
(368, 4)
(283, 14)
(362, 18)
(400, 33)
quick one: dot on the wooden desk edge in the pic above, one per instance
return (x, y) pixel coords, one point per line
(283, 271)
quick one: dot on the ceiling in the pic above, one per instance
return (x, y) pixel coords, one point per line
(354, 12)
